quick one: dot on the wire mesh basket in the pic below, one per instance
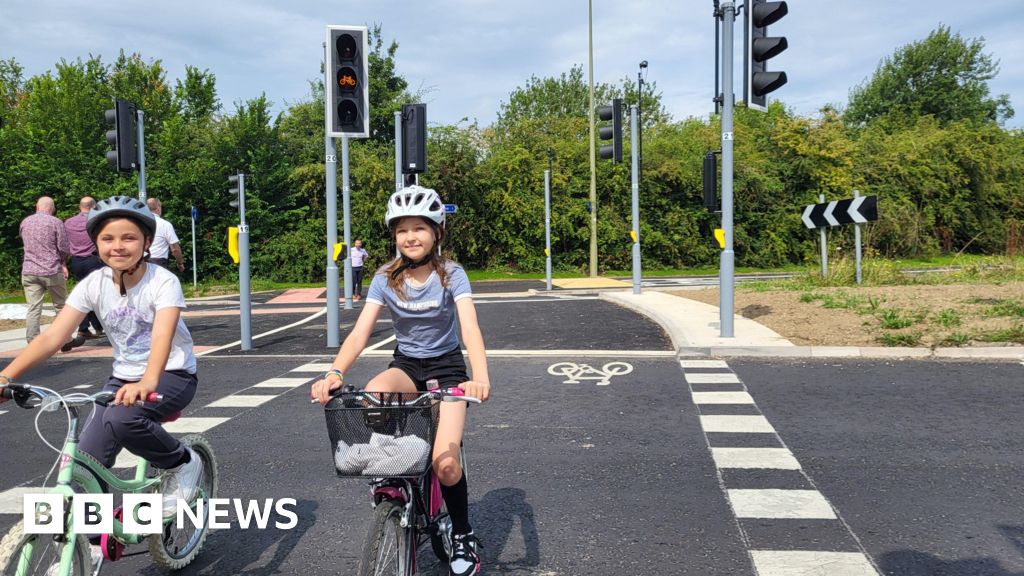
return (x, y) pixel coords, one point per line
(381, 435)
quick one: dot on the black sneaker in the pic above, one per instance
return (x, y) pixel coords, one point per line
(465, 559)
(73, 343)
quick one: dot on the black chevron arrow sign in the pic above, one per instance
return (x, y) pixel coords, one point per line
(850, 211)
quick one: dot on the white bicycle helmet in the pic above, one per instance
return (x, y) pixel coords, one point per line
(120, 206)
(415, 201)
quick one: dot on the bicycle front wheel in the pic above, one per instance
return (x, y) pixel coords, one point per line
(389, 548)
(177, 546)
(22, 553)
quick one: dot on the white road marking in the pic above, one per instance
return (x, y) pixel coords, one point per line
(193, 424)
(703, 364)
(11, 500)
(741, 424)
(722, 398)
(81, 386)
(126, 460)
(722, 378)
(809, 563)
(282, 383)
(775, 458)
(239, 401)
(391, 338)
(274, 331)
(313, 367)
(771, 503)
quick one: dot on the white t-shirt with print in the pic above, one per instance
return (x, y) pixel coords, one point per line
(162, 239)
(128, 320)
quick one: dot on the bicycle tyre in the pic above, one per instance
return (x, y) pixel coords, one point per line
(12, 548)
(388, 550)
(174, 549)
(440, 540)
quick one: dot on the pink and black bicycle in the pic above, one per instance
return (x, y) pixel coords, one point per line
(386, 437)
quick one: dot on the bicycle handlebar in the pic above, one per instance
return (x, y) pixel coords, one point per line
(450, 394)
(22, 394)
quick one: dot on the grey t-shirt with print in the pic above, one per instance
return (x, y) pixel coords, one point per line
(424, 321)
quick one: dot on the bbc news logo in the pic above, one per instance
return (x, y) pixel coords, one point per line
(143, 513)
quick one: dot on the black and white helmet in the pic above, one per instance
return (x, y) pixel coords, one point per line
(415, 201)
(120, 207)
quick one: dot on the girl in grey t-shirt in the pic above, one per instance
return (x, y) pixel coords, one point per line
(425, 293)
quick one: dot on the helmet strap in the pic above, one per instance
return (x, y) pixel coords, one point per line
(411, 265)
(131, 271)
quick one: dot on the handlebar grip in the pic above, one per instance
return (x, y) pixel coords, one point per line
(154, 397)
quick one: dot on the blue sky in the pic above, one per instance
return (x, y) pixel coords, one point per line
(468, 55)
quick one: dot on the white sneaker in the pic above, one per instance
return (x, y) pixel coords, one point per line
(95, 553)
(181, 483)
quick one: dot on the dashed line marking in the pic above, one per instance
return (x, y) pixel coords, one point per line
(809, 563)
(282, 383)
(736, 424)
(712, 378)
(755, 458)
(773, 503)
(193, 424)
(722, 398)
(703, 364)
(238, 401)
(313, 367)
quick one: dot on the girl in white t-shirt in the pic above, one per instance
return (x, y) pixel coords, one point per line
(140, 308)
(425, 294)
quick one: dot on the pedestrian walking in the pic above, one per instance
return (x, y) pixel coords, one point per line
(358, 259)
(84, 261)
(43, 268)
(165, 242)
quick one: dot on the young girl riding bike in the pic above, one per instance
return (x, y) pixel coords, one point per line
(424, 292)
(140, 308)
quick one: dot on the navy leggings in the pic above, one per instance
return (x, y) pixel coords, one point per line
(138, 427)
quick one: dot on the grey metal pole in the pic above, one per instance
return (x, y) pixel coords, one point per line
(547, 227)
(333, 313)
(824, 244)
(856, 236)
(140, 136)
(593, 150)
(727, 270)
(345, 193)
(634, 114)
(195, 261)
(398, 151)
(243, 268)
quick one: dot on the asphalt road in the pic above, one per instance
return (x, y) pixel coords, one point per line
(575, 474)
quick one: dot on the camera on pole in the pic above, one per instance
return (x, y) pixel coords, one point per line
(758, 81)
(348, 88)
(611, 132)
(123, 122)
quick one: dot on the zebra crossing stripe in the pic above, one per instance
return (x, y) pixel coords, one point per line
(772, 503)
(803, 563)
(240, 401)
(722, 398)
(320, 367)
(282, 383)
(711, 378)
(755, 458)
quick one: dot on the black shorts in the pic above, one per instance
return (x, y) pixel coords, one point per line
(449, 369)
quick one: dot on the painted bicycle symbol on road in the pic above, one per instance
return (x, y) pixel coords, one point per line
(578, 372)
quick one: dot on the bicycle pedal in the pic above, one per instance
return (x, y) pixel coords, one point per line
(111, 547)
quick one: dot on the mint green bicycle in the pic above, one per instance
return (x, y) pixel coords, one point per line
(68, 554)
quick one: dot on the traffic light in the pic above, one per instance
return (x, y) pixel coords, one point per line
(233, 179)
(347, 88)
(414, 138)
(760, 47)
(711, 181)
(123, 121)
(612, 132)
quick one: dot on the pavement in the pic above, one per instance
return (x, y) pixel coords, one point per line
(693, 327)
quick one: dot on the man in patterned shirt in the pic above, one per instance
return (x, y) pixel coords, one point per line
(43, 269)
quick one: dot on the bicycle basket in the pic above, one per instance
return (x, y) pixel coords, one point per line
(390, 440)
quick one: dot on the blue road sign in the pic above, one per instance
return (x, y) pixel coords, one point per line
(450, 208)
(195, 214)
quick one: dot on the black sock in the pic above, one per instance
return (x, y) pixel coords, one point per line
(185, 459)
(457, 499)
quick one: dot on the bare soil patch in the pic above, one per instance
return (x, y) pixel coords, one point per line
(935, 315)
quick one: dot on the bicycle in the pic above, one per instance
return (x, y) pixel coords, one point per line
(392, 434)
(23, 554)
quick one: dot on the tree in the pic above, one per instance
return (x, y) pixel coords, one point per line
(944, 76)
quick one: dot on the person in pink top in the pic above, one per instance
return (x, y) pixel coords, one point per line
(43, 270)
(84, 261)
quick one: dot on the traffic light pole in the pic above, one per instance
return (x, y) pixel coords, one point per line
(345, 193)
(547, 228)
(245, 308)
(142, 157)
(635, 152)
(398, 151)
(333, 313)
(727, 266)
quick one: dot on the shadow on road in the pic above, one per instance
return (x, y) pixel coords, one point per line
(914, 563)
(239, 552)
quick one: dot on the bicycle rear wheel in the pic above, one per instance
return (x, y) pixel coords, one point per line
(389, 548)
(176, 548)
(22, 553)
